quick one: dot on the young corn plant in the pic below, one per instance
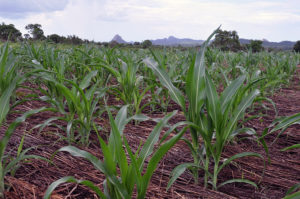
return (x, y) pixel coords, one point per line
(85, 59)
(123, 176)
(78, 105)
(8, 69)
(7, 164)
(213, 118)
(175, 70)
(130, 89)
(282, 124)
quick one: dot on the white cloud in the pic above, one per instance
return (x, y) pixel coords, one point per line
(21, 8)
(139, 20)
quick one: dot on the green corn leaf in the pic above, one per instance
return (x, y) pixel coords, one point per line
(80, 153)
(153, 139)
(286, 122)
(180, 169)
(121, 119)
(116, 146)
(87, 183)
(165, 80)
(239, 155)
(240, 110)
(46, 123)
(264, 144)
(80, 106)
(18, 159)
(270, 101)
(213, 104)
(5, 99)
(20, 147)
(190, 145)
(195, 85)
(195, 88)
(135, 176)
(248, 131)
(70, 97)
(11, 128)
(293, 189)
(230, 91)
(238, 180)
(157, 156)
(87, 79)
(295, 146)
(109, 163)
(172, 128)
(98, 164)
(112, 70)
(293, 196)
(3, 59)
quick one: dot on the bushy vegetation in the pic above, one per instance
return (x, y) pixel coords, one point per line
(256, 45)
(297, 46)
(227, 40)
(9, 32)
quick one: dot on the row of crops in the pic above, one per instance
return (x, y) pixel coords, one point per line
(213, 89)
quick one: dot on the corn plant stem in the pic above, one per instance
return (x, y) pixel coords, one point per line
(206, 169)
(195, 145)
(215, 176)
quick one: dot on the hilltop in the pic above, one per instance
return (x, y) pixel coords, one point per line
(174, 41)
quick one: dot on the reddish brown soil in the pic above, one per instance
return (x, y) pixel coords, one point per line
(34, 176)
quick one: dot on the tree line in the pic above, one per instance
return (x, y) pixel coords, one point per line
(224, 40)
(35, 33)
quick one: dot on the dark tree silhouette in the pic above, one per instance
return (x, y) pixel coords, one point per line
(256, 45)
(36, 31)
(8, 31)
(297, 46)
(227, 40)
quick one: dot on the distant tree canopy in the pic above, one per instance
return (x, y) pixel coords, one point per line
(227, 40)
(73, 39)
(256, 45)
(36, 31)
(297, 46)
(56, 38)
(146, 44)
(8, 31)
(70, 39)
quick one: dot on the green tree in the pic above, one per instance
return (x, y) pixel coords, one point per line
(297, 46)
(36, 31)
(9, 32)
(56, 38)
(146, 44)
(256, 45)
(227, 40)
(73, 39)
(27, 36)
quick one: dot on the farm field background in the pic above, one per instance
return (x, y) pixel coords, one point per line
(75, 89)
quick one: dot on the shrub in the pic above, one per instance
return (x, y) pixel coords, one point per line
(297, 46)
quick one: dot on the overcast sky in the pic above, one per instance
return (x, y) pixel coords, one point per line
(137, 20)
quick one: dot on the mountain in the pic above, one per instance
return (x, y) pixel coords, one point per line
(284, 45)
(173, 41)
(118, 39)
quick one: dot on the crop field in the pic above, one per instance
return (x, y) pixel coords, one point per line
(98, 122)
